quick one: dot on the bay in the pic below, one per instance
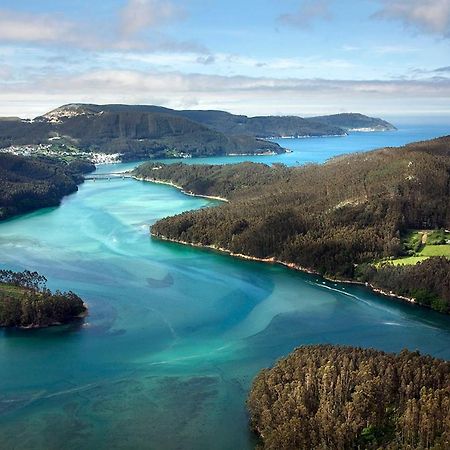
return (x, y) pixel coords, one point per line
(319, 149)
(174, 334)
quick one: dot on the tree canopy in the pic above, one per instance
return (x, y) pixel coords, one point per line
(332, 397)
(25, 301)
(329, 218)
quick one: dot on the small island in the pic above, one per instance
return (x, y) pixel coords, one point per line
(333, 397)
(25, 302)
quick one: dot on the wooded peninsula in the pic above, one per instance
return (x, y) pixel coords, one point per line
(30, 183)
(345, 219)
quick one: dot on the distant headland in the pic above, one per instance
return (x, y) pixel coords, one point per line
(109, 133)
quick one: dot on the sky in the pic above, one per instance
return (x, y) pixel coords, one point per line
(388, 58)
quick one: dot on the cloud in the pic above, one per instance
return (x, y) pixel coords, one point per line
(393, 49)
(40, 28)
(442, 69)
(240, 94)
(429, 16)
(56, 30)
(206, 60)
(308, 12)
(138, 15)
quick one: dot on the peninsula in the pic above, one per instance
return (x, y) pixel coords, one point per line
(135, 132)
(30, 183)
(345, 219)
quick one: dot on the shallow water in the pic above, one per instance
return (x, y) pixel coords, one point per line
(174, 335)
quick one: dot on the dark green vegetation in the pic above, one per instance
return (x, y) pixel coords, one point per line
(262, 126)
(26, 302)
(353, 121)
(139, 131)
(277, 126)
(133, 131)
(331, 397)
(329, 218)
(28, 183)
(428, 281)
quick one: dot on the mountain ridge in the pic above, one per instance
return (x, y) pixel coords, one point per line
(150, 131)
(257, 126)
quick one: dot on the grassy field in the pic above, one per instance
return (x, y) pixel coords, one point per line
(436, 250)
(423, 244)
(408, 260)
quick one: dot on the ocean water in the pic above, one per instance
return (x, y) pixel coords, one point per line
(174, 334)
(318, 150)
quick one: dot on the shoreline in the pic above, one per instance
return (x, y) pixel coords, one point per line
(170, 183)
(289, 265)
(82, 315)
(271, 260)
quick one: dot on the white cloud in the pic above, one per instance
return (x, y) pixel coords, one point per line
(248, 95)
(56, 30)
(23, 27)
(430, 16)
(308, 12)
(138, 15)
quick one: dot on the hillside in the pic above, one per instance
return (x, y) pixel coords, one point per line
(262, 126)
(333, 218)
(27, 183)
(354, 122)
(332, 397)
(268, 126)
(147, 131)
(134, 131)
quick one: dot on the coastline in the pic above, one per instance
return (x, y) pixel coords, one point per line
(82, 315)
(271, 260)
(289, 265)
(170, 183)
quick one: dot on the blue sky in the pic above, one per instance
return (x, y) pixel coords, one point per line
(305, 57)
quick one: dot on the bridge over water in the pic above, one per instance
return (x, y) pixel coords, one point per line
(108, 176)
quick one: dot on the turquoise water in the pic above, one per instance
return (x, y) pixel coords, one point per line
(174, 335)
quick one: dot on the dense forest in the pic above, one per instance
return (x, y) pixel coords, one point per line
(28, 183)
(26, 302)
(352, 121)
(132, 131)
(329, 218)
(337, 398)
(148, 131)
(428, 282)
(266, 126)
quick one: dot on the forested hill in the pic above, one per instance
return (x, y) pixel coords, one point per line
(260, 126)
(132, 131)
(263, 126)
(354, 121)
(28, 183)
(330, 218)
(331, 397)
(146, 131)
